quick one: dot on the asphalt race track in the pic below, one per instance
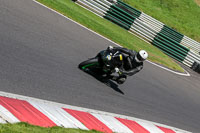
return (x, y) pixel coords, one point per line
(39, 54)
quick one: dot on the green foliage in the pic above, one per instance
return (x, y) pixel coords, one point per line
(23, 127)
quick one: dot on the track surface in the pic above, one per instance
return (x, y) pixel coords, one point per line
(39, 54)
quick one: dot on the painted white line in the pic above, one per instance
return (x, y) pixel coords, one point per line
(7, 116)
(182, 74)
(112, 123)
(39, 101)
(58, 115)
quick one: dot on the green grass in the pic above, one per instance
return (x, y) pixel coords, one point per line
(27, 128)
(109, 30)
(182, 15)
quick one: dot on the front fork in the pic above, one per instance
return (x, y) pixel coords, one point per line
(105, 58)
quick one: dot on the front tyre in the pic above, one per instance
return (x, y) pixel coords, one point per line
(88, 64)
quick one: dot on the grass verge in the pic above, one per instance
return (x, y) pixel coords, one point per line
(109, 30)
(27, 128)
(182, 15)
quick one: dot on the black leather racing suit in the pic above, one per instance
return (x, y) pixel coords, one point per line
(130, 66)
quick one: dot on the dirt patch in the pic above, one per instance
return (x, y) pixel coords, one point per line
(198, 2)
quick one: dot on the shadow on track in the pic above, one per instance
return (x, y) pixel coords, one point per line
(107, 82)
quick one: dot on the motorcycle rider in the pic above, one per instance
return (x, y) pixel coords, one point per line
(132, 63)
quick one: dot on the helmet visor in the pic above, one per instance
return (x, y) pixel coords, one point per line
(139, 57)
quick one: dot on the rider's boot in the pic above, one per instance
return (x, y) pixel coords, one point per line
(121, 79)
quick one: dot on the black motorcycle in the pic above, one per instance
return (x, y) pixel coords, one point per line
(106, 63)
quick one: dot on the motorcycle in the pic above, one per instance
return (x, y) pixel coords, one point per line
(106, 63)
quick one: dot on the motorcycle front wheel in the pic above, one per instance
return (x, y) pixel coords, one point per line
(88, 64)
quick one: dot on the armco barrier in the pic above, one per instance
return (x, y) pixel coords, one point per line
(171, 42)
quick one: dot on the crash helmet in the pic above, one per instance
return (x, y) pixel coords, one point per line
(141, 56)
